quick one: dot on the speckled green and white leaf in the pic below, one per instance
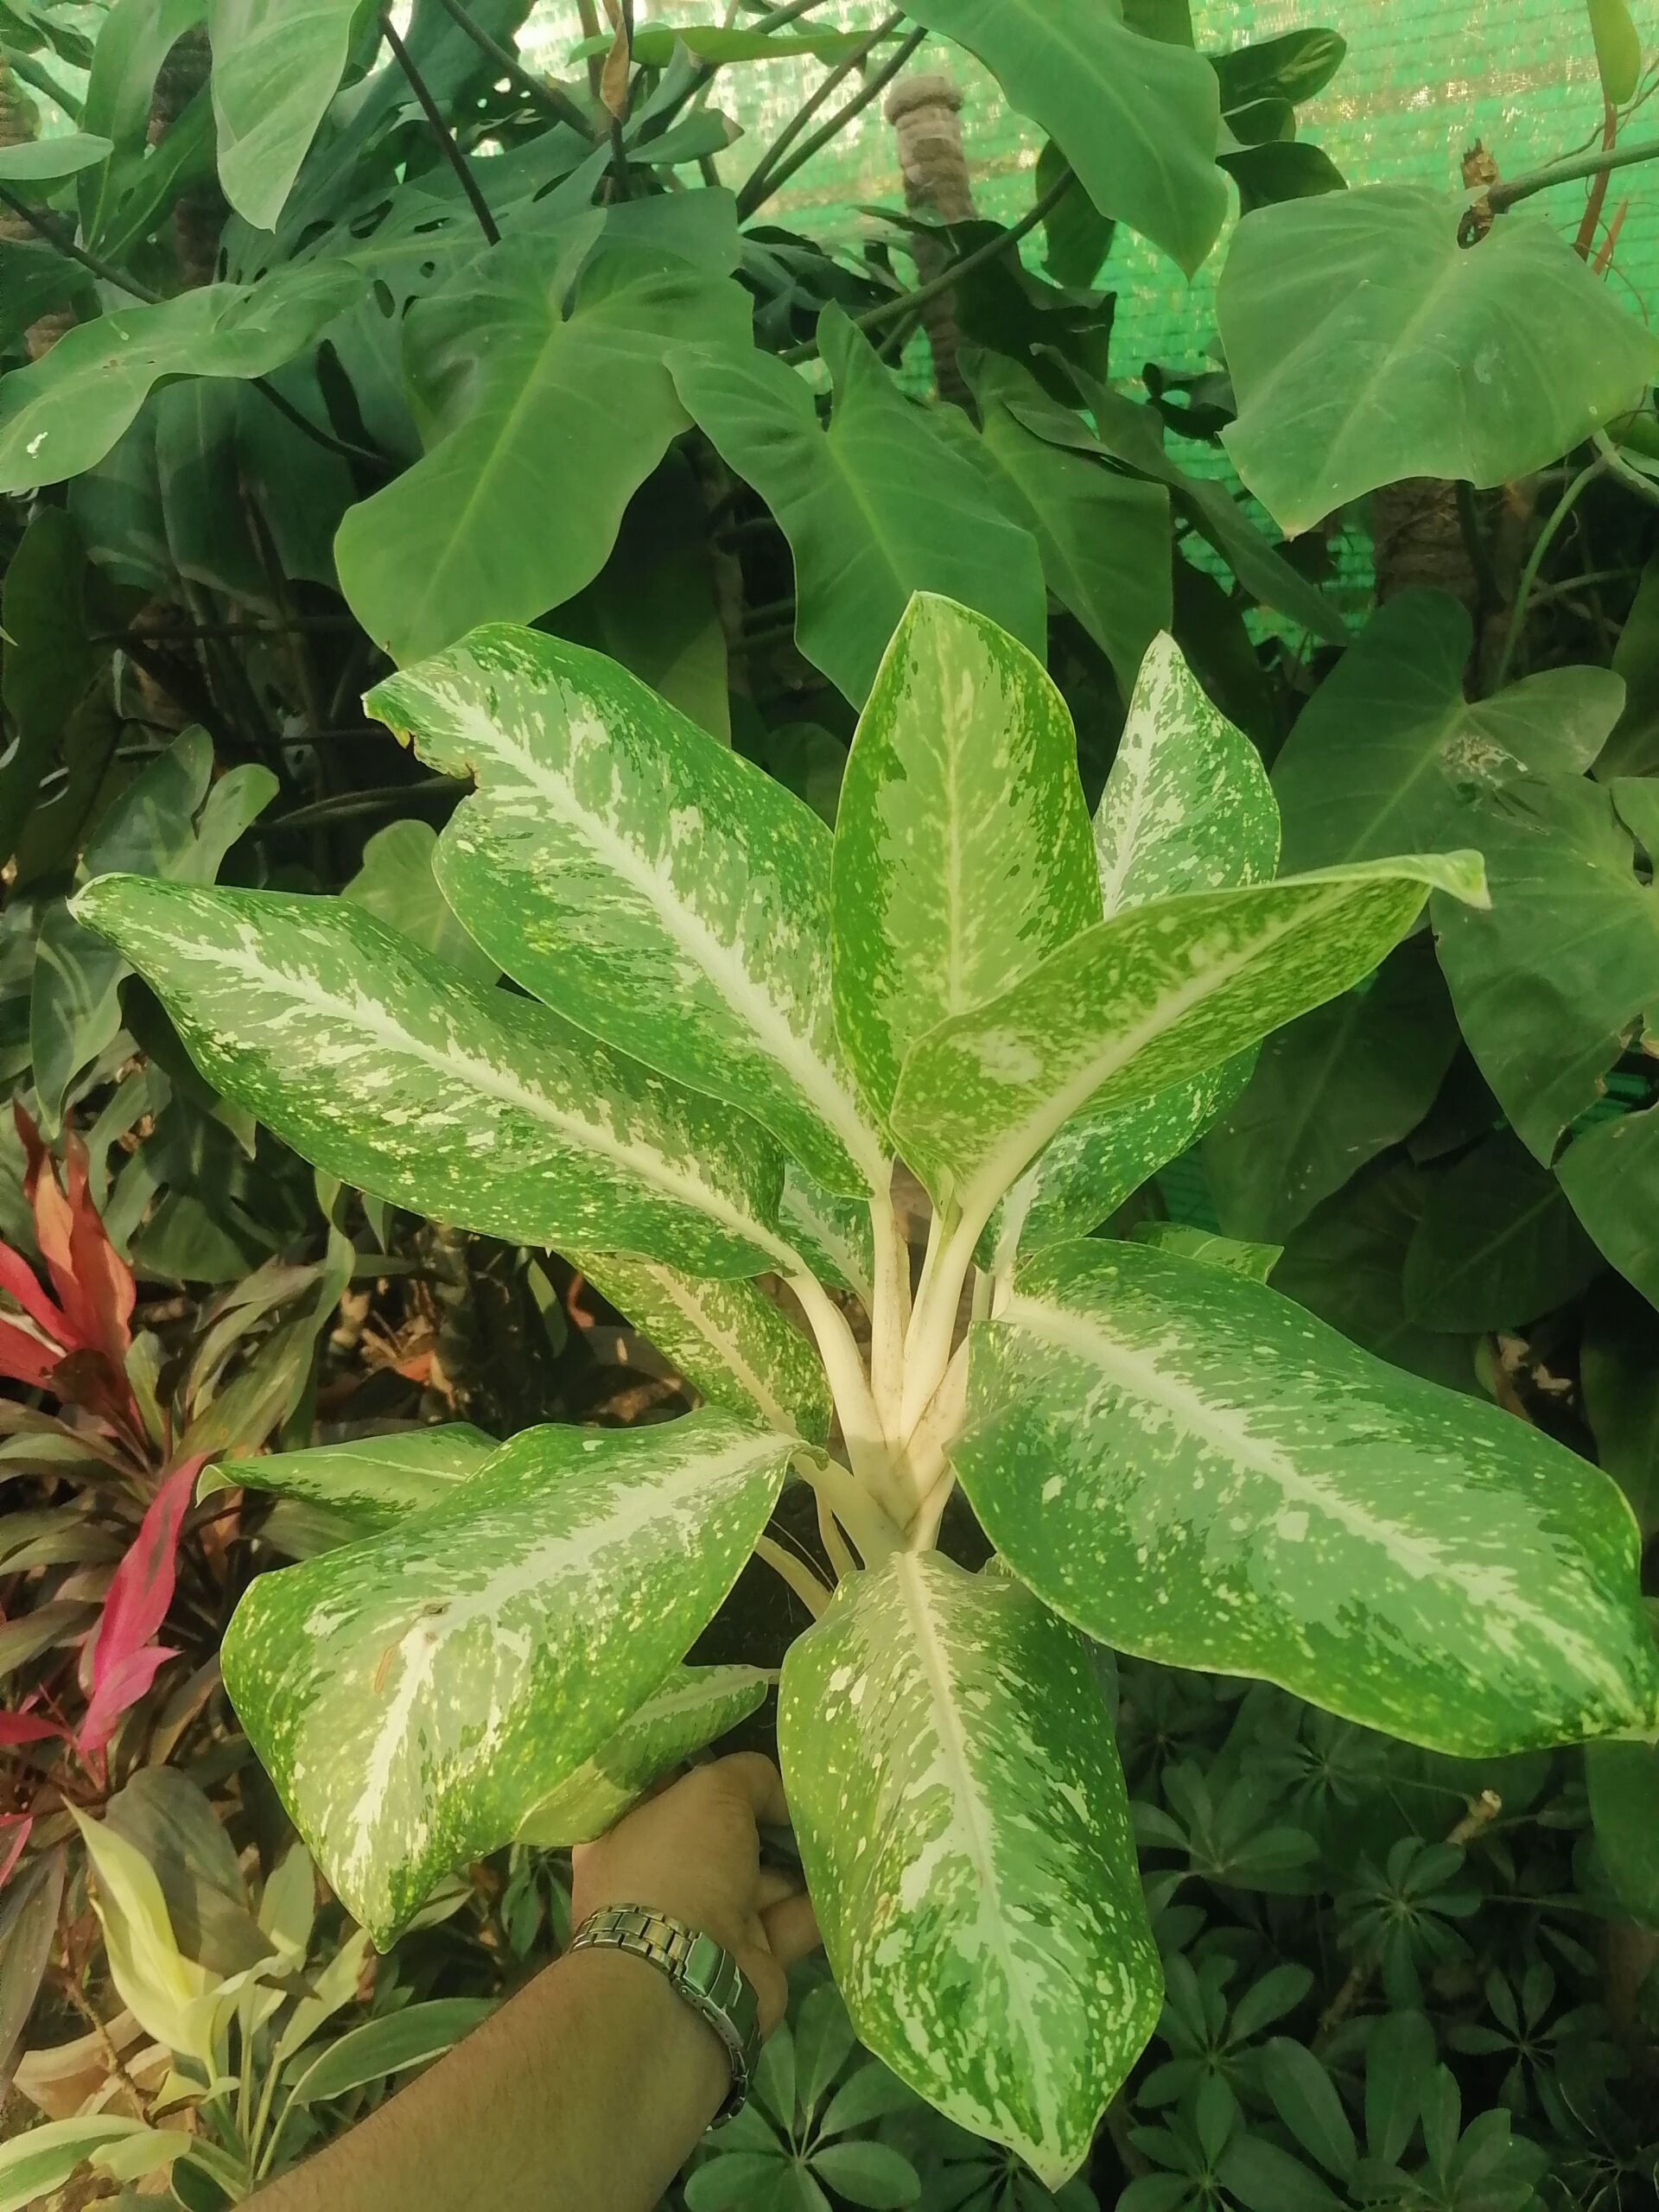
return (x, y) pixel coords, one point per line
(831, 1234)
(1140, 1002)
(414, 1695)
(694, 1707)
(962, 850)
(1195, 1470)
(382, 1064)
(645, 880)
(1082, 1176)
(964, 1828)
(729, 1339)
(1187, 805)
(373, 1482)
(1233, 1254)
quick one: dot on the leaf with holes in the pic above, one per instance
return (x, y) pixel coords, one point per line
(689, 1711)
(879, 504)
(1366, 345)
(414, 1695)
(728, 1339)
(645, 880)
(1248, 1492)
(964, 1829)
(385, 1067)
(962, 850)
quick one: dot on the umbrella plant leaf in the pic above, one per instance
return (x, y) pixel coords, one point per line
(961, 847)
(382, 1065)
(877, 506)
(645, 880)
(964, 1828)
(373, 1482)
(1182, 1462)
(414, 1695)
(1137, 119)
(1146, 999)
(538, 379)
(1366, 345)
(694, 1707)
(729, 1339)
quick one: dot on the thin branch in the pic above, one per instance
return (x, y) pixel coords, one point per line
(1584, 242)
(908, 303)
(340, 810)
(315, 432)
(813, 1594)
(106, 271)
(771, 175)
(835, 1544)
(552, 99)
(1635, 480)
(441, 130)
(1563, 507)
(748, 190)
(1502, 197)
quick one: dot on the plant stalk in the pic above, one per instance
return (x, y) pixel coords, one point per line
(771, 172)
(552, 99)
(441, 130)
(1502, 197)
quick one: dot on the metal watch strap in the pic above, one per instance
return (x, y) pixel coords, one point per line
(707, 1978)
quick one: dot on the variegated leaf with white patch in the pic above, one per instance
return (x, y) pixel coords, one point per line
(371, 1483)
(1141, 1002)
(413, 1696)
(1187, 807)
(965, 1831)
(647, 882)
(694, 1707)
(729, 1339)
(388, 1068)
(1192, 1468)
(961, 852)
(832, 1234)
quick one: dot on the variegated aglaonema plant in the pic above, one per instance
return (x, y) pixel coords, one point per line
(739, 1022)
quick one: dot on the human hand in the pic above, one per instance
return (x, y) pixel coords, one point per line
(694, 1852)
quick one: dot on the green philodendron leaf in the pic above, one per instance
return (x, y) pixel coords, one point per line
(1137, 119)
(1624, 1786)
(728, 1339)
(1249, 1492)
(538, 379)
(1187, 808)
(1374, 763)
(691, 1709)
(647, 880)
(1103, 536)
(475, 1106)
(962, 848)
(397, 882)
(372, 1482)
(1254, 1261)
(1330, 1092)
(1365, 345)
(1611, 1175)
(50, 161)
(1499, 1243)
(880, 505)
(1146, 1000)
(652, 44)
(964, 1828)
(277, 66)
(1550, 984)
(63, 413)
(413, 1696)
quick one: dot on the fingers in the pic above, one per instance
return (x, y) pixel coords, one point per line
(792, 1929)
(754, 1778)
(773, 1884)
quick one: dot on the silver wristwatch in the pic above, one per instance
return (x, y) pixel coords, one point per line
(707, 1978)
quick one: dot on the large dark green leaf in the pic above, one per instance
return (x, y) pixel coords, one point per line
(1330, 1092)
(1611, 1174)
(1377, 755)
(617, 861)
(879, 504)
(1365, 345)
(1624, 1786)
(1136, 118)
(964, 1829)
(48, 662)
(475, 1106)
(416, 1694)
(63, 413)
(1497, 1244)
(962, 854)
(1551, 982)
(1618, 1374)
(538, 378)
(1248, 1491)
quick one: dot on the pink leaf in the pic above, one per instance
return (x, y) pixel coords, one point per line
(24, 1358)
(27, 1728)
(141, 1590)
(54, 1224)
(102, 1275)
(19, 1278)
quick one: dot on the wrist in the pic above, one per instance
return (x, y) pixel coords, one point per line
(675, 2054)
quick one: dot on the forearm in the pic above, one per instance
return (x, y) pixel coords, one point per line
(582, 2094)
